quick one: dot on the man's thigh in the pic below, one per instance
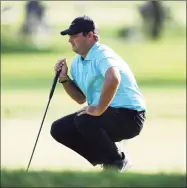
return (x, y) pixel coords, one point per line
(118, 123)
(121, 123)
(106, 121)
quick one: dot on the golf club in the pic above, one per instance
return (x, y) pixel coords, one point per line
(50, 97)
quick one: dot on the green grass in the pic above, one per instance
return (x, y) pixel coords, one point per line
(161, 102)
(153, 64)
(21, 178)
(159, 63)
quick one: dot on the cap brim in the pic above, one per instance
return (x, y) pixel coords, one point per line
(69, 32)
(65, 32)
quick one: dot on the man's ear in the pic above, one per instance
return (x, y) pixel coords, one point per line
(90, 35)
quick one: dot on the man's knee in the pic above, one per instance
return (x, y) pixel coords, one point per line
(54, 130)
(62, 130)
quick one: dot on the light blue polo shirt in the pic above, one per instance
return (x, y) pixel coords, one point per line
(89, 75)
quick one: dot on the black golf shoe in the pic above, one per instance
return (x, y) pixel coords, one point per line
(119, 165)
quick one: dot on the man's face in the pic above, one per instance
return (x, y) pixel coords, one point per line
(78, 42)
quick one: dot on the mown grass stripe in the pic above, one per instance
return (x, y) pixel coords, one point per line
(20, 178)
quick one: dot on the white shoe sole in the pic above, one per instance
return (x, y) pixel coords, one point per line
(126, 166)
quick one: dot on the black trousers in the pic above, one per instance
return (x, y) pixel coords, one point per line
(94, 137)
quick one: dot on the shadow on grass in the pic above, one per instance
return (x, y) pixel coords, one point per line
(20, 178)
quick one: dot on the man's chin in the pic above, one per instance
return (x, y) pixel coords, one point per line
(74, 50)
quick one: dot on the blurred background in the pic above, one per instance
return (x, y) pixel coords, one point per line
(149, 35)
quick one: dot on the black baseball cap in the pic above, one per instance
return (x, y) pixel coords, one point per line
(81, 24)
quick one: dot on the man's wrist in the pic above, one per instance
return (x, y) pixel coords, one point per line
(101, 108)
(64, 79)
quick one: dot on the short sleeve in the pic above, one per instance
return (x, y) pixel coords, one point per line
(72, 72)
(73, 68)
(106, 63)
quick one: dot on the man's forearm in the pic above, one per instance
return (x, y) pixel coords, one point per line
(107, 94)
(74, 92)
(110, 86)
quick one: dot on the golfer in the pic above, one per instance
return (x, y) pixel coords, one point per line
(115, 107)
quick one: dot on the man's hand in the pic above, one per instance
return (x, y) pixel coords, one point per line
(91, 110)
(61, 64)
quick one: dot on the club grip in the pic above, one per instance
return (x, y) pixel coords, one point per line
(54, 84)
